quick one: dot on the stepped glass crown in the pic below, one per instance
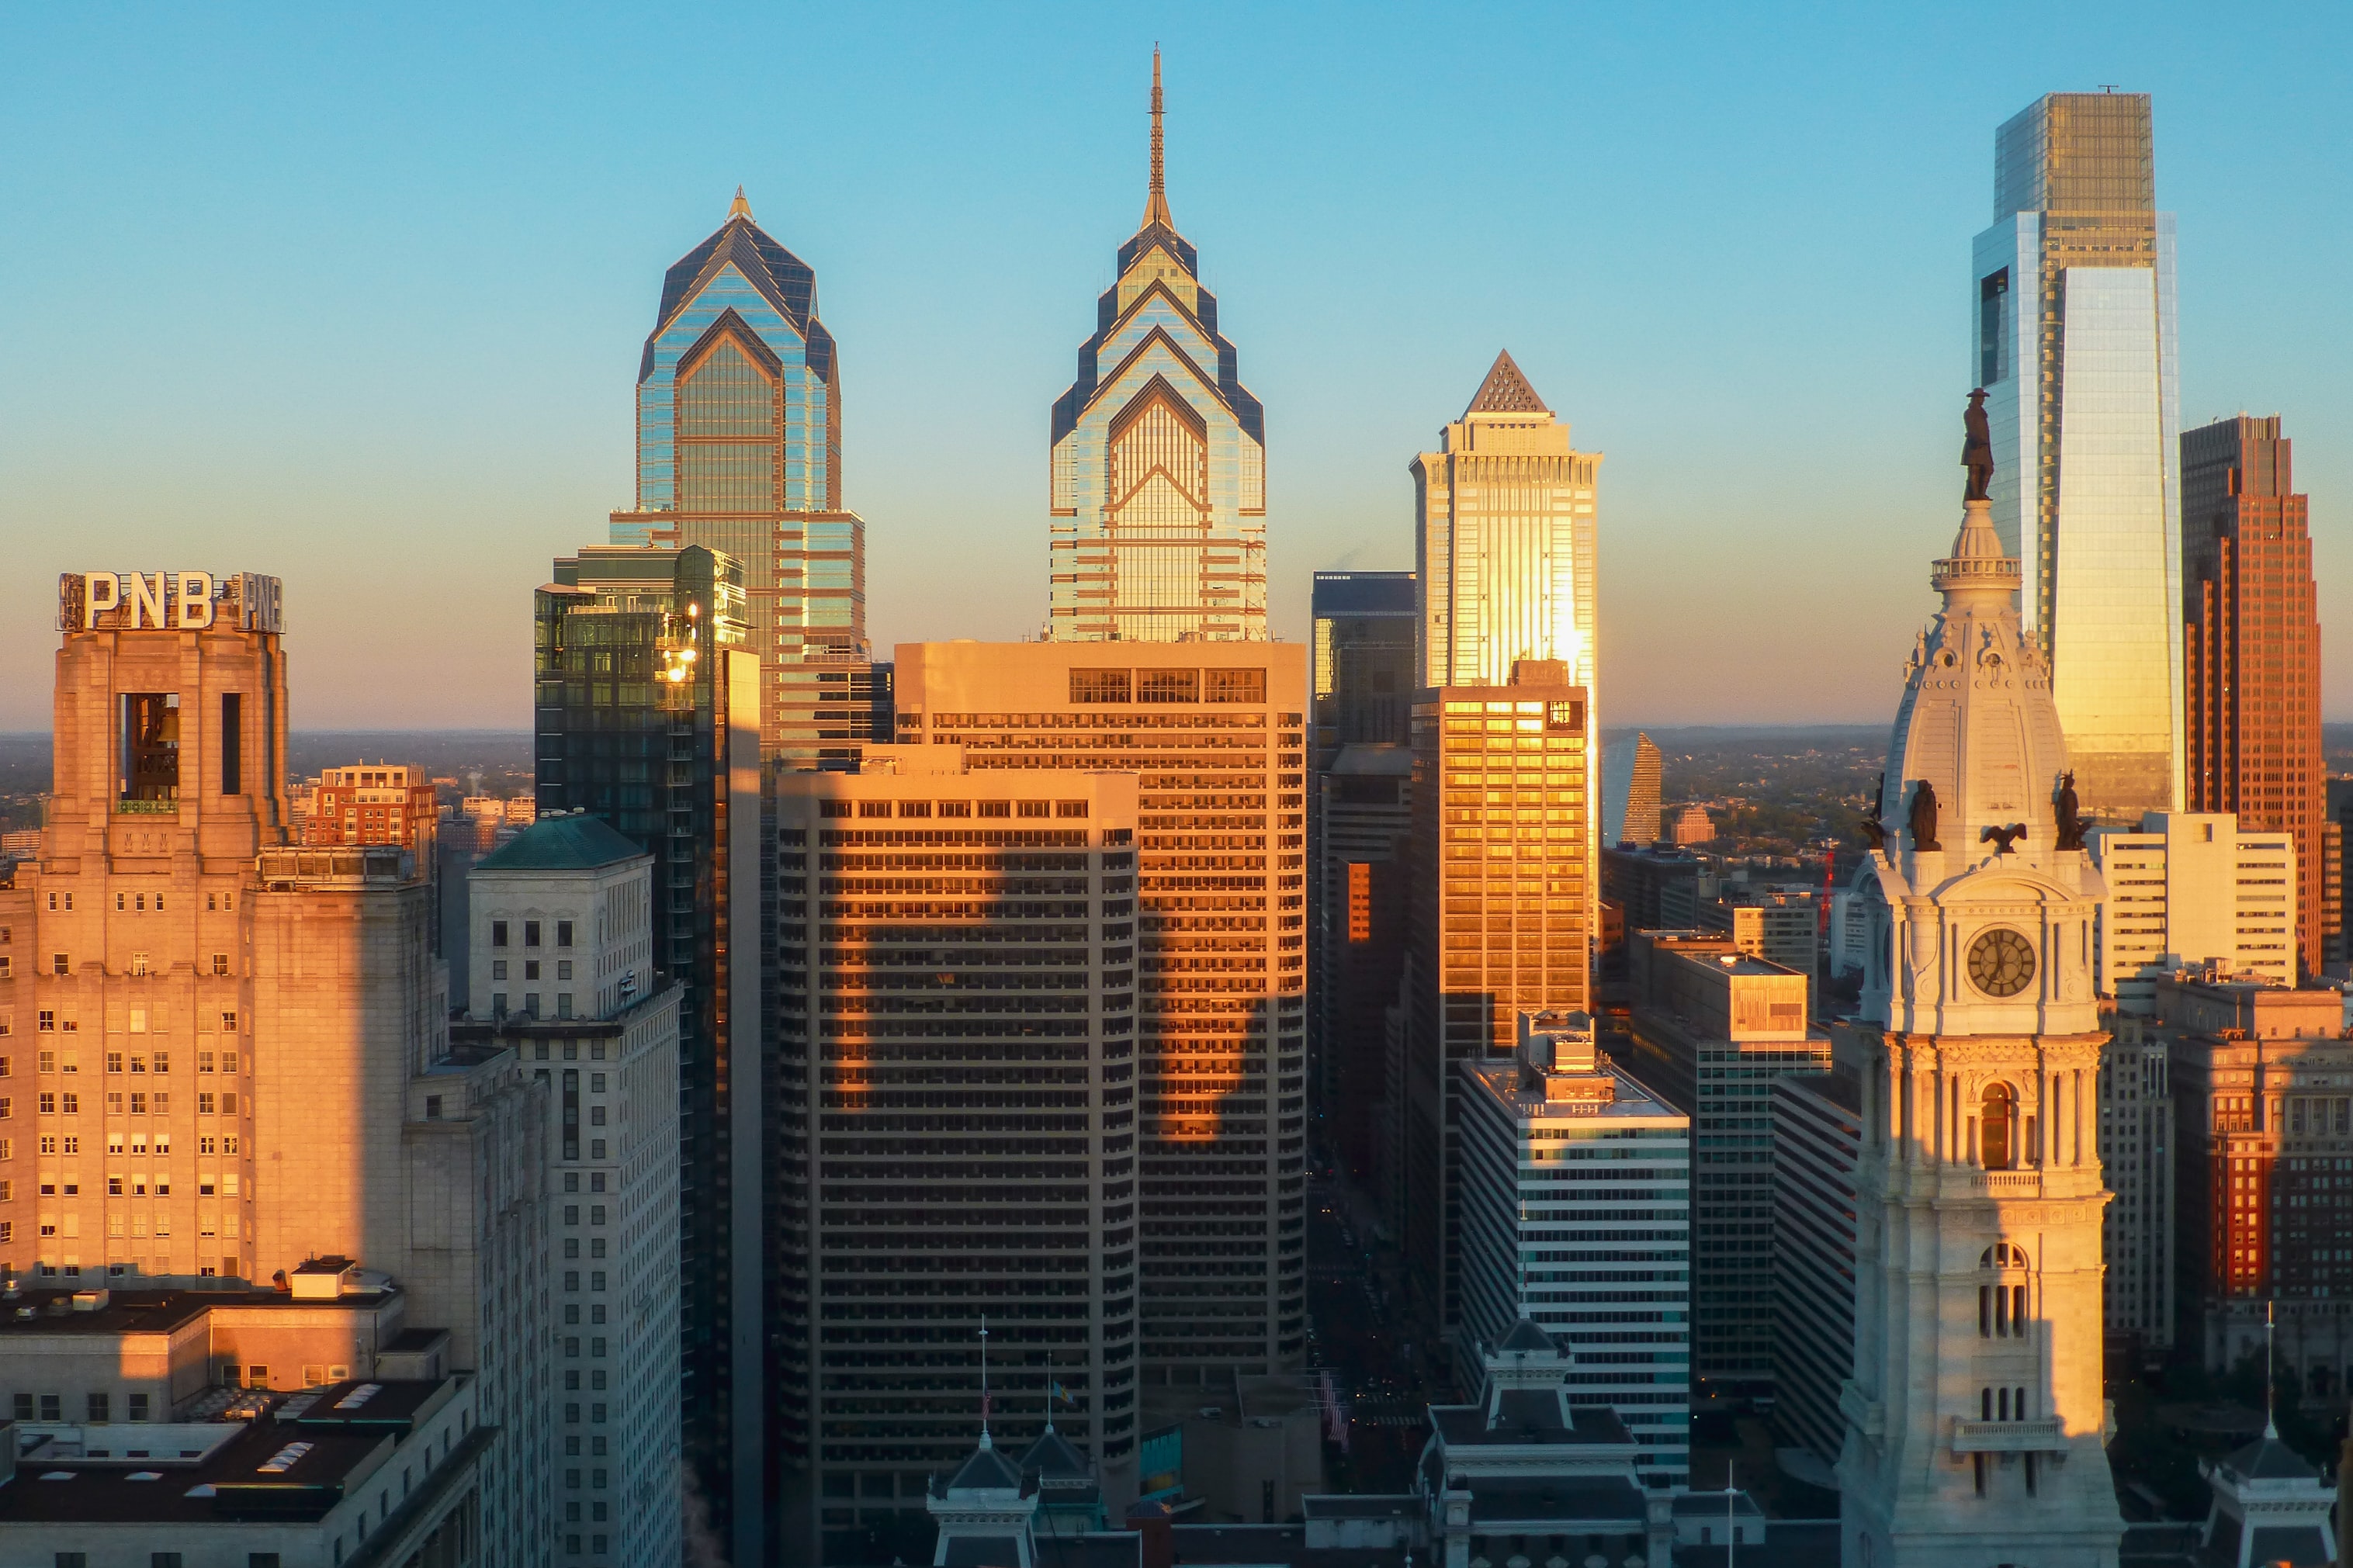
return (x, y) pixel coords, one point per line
(1158, 471)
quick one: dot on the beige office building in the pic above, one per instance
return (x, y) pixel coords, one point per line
(2189, 889)
(1216, 733)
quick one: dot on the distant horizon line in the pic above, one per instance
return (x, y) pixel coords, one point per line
(1627, 727)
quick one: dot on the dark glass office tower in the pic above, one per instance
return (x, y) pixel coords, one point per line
(1358, 802)
(1363, 660)
(648, 717)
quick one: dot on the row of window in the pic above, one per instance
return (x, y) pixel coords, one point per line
(96, 1407)
(119, 1062)
(63, 903)
(46, 1022)
(530, 969)
(531, 929)
(67, 1103)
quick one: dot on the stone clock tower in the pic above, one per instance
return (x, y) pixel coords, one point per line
(1976, 1423)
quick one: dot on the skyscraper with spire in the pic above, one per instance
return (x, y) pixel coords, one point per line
(1158, 488)
(739, 450)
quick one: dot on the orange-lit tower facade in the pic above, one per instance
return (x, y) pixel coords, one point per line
(205, 1032)
(2253, 650)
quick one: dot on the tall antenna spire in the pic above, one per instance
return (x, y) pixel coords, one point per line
(984, 1385)
(739, 207)
(1156, 205)
(2271, 1395)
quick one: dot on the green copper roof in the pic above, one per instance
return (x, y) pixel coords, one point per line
(573, 841)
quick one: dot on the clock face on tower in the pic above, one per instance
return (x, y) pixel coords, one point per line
(2001, 962)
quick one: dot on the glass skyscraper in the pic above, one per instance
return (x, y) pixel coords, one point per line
(1158, 487)
(2074, 346)
(643, 710)
(1503, 552)
(739, 450)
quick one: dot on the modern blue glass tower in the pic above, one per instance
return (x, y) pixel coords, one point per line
(1159, 457)
(739, 450)
(2073, 311)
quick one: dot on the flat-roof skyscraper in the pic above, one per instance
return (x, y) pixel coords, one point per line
(1159, 457)
(1216, 736)
(1500, 922)
(2253, 660)
(2075, 348)
(739, 450)
(955, 1060)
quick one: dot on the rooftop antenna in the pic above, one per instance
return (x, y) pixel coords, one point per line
(1731, 1530)
(984, 1385)
(1156, 205)
(2271, 1396)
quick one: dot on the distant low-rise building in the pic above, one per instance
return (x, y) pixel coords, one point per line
(1779, 925)
(380, 1470)
(1692, 825)
(1631, 774)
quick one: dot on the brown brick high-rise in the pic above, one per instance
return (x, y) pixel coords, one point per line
(2252, 649)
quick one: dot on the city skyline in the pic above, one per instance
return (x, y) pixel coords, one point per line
(495, 433)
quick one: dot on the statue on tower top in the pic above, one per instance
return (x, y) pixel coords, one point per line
(1976, 447)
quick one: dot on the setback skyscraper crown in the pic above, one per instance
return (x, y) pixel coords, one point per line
(1158, 477)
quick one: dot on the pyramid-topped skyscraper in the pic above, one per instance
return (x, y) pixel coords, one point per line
(739, 450)
(1158, 483)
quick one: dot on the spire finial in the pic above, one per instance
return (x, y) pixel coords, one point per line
(739, 207)
(1156, 205)
(2271, 1393)
(984, 1385)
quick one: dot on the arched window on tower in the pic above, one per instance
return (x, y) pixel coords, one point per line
(1997, 1127)
(2002, 1302)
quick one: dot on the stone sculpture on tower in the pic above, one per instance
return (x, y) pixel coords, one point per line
(1976, 1421)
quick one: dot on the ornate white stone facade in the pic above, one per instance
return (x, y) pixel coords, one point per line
(1976, 1420)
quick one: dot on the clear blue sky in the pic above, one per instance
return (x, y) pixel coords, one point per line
(357, 299)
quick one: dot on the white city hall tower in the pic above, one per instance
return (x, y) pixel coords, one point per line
(1976, 1425)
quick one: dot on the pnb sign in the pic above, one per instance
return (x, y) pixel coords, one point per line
(169, 601)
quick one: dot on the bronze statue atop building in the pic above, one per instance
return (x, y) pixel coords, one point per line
(1976, 447)
(1923, 816)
